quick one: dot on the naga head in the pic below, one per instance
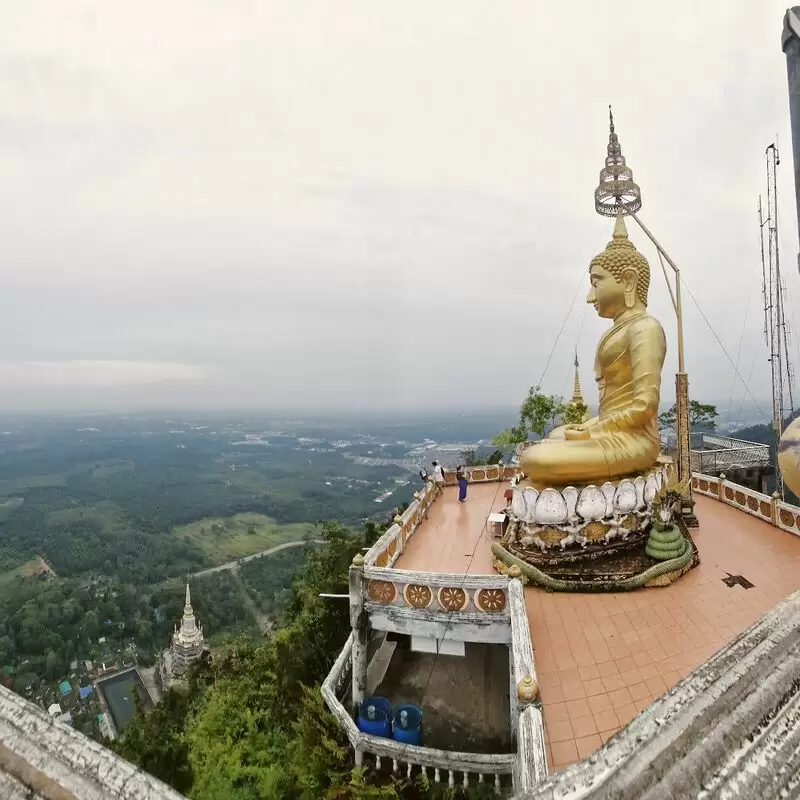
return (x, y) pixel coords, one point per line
(672, 492)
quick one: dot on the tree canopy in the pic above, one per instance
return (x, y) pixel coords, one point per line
(252, 724)
(701, 415)
(537, 414)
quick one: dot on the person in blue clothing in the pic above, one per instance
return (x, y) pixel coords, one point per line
(461, 478)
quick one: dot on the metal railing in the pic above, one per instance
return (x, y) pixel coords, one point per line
(712, 453)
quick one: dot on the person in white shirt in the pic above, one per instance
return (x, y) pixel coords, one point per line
(438, 474)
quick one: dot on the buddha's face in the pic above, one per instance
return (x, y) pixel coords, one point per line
(607, 294)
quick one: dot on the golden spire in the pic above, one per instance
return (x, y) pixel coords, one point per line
(617, 193)
(577, 397)
(620, 231)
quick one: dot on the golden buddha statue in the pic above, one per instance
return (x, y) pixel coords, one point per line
(622, 440)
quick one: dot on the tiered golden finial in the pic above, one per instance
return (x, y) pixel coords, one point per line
(617, 193)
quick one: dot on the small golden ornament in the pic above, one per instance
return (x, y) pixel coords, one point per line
(527, 690)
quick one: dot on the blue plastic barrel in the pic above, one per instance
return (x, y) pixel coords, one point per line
(382, 703)
(408, 724)
(375, 717)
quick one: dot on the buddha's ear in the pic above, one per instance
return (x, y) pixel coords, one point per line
(629, 278)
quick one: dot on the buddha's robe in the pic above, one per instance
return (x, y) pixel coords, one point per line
(624, 435)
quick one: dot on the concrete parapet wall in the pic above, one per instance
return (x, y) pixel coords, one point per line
(54, 761)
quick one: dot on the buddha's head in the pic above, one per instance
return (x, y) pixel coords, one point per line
(620, 276)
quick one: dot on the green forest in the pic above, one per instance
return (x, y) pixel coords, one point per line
(252, 725)
(116, 501)
(103, 522)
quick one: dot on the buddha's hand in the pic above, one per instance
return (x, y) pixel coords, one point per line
(577, 433)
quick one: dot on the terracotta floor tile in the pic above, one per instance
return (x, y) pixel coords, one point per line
(642, 703)
(559, 732)
(606, 721)
(584, 658)
(618, 649)
(552, 694)
(626, 664)
(579, 708)
(564, 753)
(636, 646)
(547, 679)
(639, 691)
(642, 658)
(671, 677)
(594, 687)
(588, 744)
(656, 686)
(619, 698)
(631, 676)
(555, 712)
(605, 736)
(613, 682)
(584, 726)
(600, 651)
(569, 675)
(649, 671)
(600, 703)
(608, 668)
(573, 691)
(625, 713)
(590, 672)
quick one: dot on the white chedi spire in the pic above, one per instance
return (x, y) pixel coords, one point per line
(188, 623)
(187, 641)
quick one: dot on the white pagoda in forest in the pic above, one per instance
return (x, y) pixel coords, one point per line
(188, 644)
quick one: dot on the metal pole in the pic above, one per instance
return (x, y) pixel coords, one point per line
(790, 44)
(681, 382)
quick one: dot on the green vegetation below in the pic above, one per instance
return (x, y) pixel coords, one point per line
(252, 724)
(223, 539)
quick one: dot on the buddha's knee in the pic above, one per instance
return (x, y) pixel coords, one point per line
(534, 462)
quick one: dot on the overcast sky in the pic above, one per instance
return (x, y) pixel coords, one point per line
(371, 204)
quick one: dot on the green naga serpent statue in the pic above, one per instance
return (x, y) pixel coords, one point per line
(666, 541)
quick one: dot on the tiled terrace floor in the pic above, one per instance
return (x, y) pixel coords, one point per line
(602, 658)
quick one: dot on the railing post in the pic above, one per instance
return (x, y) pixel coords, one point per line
(721, 487)
(398, 520)
(774, 508)
(359, 625)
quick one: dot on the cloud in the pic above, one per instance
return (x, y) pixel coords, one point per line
(372, 204)
(45, 375)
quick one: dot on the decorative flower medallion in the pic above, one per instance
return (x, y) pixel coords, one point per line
(452, 599)
(381, 591)
(418, 596)
(493, 600)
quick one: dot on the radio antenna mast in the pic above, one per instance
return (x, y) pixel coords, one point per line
(775, 327)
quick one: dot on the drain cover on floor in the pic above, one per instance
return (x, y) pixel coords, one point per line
(733, 580)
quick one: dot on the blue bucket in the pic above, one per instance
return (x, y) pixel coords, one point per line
(408, 724)
(375, 717)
